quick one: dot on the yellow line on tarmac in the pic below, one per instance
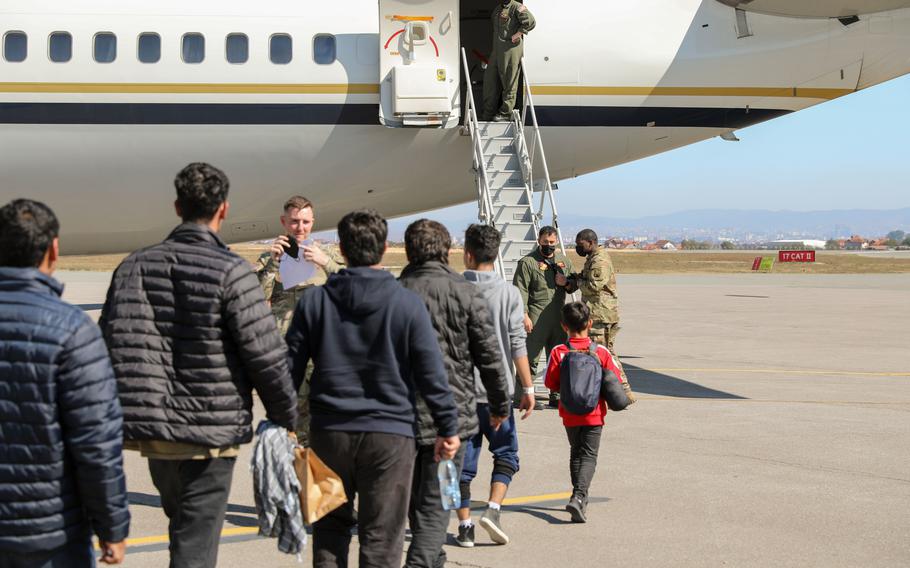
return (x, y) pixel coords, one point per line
(771, 401)
(536, 498)
(773, 372)
(247, 531)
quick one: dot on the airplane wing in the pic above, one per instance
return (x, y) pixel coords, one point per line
(817, 8)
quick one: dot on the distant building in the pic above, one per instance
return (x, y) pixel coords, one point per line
(797, 244)
(662, 245)
(856, 242)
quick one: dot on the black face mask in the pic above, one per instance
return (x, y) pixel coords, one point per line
(547, 250)
(581, 251)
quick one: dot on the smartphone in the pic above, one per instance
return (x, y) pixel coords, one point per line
(292, 249)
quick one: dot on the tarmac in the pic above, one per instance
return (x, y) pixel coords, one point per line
(772, 429)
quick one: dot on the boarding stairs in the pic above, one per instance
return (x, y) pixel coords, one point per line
(509, 164)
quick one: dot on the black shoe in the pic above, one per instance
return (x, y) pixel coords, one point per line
(490, 523)
(502, 118)
(465, 538)
(576, 507)
(554, 401)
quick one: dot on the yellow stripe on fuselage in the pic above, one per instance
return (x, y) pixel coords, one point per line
(373, 89)
(195, 88)
(761, 92)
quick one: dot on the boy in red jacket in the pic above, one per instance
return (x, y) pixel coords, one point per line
(583, 431)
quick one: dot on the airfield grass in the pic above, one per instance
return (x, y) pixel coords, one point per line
(626, 262)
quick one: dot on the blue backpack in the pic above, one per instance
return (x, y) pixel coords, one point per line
(580, 376)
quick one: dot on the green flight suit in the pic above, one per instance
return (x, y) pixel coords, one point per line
(597, 283)
(283, 303)
(500, 81)
(535, 278)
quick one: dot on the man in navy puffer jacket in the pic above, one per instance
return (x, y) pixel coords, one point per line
(61, 465)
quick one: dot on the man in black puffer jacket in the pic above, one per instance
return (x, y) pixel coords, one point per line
(191, 336)
(467, 338)
(61, 463)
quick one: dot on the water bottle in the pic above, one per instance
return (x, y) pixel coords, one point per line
(448, 485)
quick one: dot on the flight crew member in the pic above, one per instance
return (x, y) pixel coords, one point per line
(297, 220)
(511, 22)
(542, 277)
(597, 283)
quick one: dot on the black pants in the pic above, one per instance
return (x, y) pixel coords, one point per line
(378, 469)
(584, 442)
(428, 519)
(194, 494)
(77, 554)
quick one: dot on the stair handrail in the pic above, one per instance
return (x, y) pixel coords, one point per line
(538, 143)
(485, 201)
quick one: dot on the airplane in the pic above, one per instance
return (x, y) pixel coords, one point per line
(103, 101)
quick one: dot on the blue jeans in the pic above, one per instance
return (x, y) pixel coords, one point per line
(503, 444)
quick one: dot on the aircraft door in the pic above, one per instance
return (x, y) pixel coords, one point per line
(419, 63)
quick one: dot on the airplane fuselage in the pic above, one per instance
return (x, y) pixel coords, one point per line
(612, 81)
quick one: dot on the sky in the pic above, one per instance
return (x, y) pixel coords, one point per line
(850, 153)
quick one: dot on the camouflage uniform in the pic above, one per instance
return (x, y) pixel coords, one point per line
(283, 303)
(597, 283)
(500, 81)
(535, 278)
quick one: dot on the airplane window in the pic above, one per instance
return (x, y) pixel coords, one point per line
(149, 48)
(237, 48)
(193, 48)
(60, 47)
(15, 47)
(281, 49)
(324, 49)
(105, 47)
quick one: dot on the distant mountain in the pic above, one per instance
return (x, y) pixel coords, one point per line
(703, 223)
(820, 224)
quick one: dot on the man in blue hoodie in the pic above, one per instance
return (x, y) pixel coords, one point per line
(61, 462)
(374, 350)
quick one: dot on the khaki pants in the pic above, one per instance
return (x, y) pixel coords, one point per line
(605, 334)
(500, 83)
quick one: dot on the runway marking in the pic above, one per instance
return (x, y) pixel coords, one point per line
(767, 401)
(773, 372)
(250, 531)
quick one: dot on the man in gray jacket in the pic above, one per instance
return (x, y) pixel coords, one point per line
(507, 310)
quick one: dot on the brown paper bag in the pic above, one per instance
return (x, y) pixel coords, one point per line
(321, 490)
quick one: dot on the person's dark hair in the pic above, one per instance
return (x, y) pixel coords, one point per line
(363, 236)
(587, 235)
(426, 241)
(27, 229)
(201, 189)
(483, 242)
(546, 231)
(576, 316)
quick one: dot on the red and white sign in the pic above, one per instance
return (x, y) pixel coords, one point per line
(796, 256)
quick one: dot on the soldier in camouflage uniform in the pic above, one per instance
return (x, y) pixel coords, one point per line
(511, 22)
(597, 283)
(297, 221)
(541, 277)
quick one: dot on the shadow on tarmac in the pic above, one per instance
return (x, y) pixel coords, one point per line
(89, 307)
(650, 382)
